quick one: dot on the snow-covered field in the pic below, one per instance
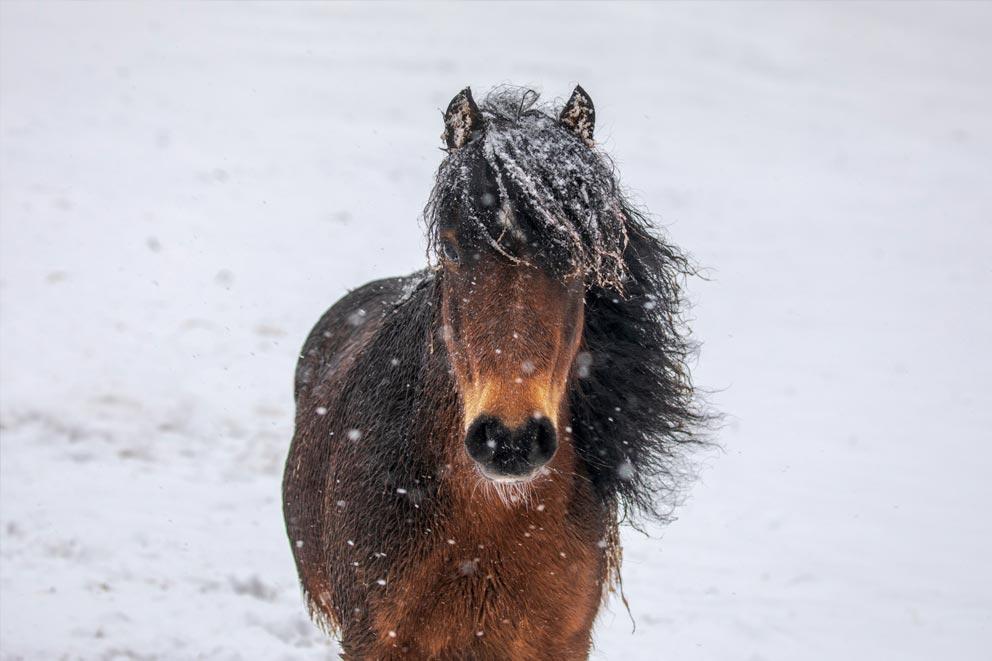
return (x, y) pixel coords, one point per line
(185, 188)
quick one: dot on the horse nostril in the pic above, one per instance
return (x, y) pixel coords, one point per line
(540, 436)
(484, 437)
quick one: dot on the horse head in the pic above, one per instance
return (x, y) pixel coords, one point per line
(524, 218)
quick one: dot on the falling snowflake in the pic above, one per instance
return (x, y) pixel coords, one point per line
(625, 471)
(583, 364)
(357, 318)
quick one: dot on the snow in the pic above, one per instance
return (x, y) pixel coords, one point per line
(185, 188)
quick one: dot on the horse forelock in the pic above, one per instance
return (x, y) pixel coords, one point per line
(527, 176)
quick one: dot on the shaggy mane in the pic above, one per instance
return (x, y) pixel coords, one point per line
(562, 194)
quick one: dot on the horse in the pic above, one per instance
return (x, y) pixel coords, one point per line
(468, 438)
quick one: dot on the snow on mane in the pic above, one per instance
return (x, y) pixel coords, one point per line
(552, 189)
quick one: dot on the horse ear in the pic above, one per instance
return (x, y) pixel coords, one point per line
(461, 120)
(579, 115)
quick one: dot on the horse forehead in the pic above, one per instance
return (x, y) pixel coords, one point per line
(503, 286)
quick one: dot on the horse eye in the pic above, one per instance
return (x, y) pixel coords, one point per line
(449, 250)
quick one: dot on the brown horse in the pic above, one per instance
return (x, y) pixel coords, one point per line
(468, 437)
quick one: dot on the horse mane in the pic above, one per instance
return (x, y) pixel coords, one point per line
(562, 195)
(633, 405)
(634, 409)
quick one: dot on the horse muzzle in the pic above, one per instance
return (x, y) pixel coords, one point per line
(510, 455)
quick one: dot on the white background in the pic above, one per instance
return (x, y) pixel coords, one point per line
(184, 189)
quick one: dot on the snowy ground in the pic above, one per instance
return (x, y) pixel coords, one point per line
(183, 190)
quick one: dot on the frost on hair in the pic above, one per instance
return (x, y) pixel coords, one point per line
(552, 188)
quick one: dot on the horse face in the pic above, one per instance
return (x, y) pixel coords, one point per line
(512, 331)
(513, 310)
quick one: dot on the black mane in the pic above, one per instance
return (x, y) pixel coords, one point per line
(563, 195)
(632, 400)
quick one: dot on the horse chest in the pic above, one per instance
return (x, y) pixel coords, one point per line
(518, 587)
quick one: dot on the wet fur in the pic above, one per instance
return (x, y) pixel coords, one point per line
(400, 545)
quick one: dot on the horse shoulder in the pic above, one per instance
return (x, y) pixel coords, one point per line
(347, 326)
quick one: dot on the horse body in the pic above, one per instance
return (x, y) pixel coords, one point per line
(466, 436)
(409, 557)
